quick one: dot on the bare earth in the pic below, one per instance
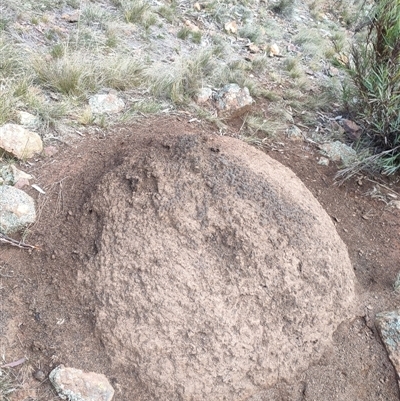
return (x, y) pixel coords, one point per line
(44, 318)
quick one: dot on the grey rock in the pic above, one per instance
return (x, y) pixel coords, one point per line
(75, 385)
(6, 175)
(274, 50)
(72, 17)
(19, 141)
(39, 375)
(339, 152)
(233, 100)
(395, 204)
(295, 133)
(323, 161)
(352, 130)
(11, 175)
(336, 129)
(106, 103)
(17, 209)
(388, 325)
(27, 119)
(203, 95)
(396, 284)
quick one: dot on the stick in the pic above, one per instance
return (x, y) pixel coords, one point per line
(7, 240)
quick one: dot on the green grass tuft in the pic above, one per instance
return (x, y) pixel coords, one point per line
(184, 77)
(135, 10)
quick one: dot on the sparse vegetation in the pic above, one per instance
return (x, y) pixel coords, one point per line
(260, 63)
(258, 126)
(184, 77)
(135, 10)
(375, 72)
(72, 74)
(253, 32)
(112, 46)
(284, 7)
(185, 33)
(168, 12)
(312, 42)
(292, 65)
(7, 385)
(94, 14)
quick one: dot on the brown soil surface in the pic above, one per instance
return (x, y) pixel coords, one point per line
(44, 319)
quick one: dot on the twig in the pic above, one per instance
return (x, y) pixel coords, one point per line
(383, 186)
(13, 364)
(19, 244)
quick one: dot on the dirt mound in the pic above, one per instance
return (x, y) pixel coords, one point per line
(216, 272)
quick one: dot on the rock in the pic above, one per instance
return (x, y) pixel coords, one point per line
(19, 142)
(197, 6)
(103, 103)
(396, 284)
(39, 375)
(191, 26)
(12, 176)
(233, 100)
(203, 95)
(292, 48)
(231, 27)
(250, 57)
(218, 273)
(274, 50)
(17, 209)
(388, 325)
(336, 128)
(76, 385)
(22, 183)
(27, 119)
(295, 133)
(339, 152)
(50, 151)
(323, 161)
(19, 175)
(395, 203)
(253, 48)
(72, 17)
(7, 175)
(333, 71)
(352, 130)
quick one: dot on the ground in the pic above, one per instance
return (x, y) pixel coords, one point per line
(45, 321)
(156, 55)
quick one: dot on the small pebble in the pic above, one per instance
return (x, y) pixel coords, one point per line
(39, 375)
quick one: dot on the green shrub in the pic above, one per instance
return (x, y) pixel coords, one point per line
(374, 69)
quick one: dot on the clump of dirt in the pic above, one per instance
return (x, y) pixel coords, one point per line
(215, 272)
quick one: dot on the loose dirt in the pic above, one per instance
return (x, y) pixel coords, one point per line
(46, 317)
